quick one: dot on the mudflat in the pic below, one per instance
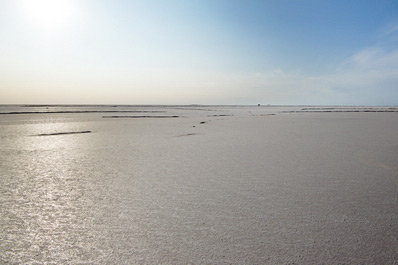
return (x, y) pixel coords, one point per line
(212, 185)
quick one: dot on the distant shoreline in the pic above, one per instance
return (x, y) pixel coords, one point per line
(187, 105)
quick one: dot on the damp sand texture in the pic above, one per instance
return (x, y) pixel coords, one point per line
(215, 185)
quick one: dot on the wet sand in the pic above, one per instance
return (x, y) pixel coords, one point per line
(217, 185)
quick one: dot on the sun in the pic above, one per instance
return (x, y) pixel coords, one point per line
(49, 15)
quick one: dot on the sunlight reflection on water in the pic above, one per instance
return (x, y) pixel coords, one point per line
(46, 212)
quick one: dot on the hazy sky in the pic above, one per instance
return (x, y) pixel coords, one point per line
(199, 51)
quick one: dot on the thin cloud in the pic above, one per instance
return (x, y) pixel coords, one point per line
(393, 29)
(375, 58)
(370, 75)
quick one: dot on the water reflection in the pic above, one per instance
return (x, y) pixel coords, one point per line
(44, 210)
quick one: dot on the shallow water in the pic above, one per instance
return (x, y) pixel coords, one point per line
(244, 187)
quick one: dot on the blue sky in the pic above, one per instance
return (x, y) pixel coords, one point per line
(204, 52)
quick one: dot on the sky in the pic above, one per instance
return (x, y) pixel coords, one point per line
(285, 52)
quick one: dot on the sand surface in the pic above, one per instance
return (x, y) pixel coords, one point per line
(213, 185)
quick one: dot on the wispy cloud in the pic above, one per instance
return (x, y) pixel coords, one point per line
(370, 76)
(392, 29)
(375, 58)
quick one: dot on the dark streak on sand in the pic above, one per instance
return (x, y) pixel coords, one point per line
(187, 134)
(62, 133)
(140, 117)
(196, 109)
(80, 111)
(221, 115)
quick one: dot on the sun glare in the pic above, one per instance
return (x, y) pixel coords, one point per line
(49, 15)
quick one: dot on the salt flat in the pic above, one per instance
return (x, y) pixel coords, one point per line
(215, 185)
